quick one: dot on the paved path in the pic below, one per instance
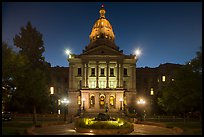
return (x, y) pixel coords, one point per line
(68, 129)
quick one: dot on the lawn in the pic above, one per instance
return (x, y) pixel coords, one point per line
(18, 125)
(189, 128)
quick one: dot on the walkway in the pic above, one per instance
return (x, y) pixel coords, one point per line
(68, 129)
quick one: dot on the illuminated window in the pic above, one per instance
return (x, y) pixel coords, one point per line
(92, 84)
(172, 79)
(112, 101)
(59, 102)
(102, 101)
(79, 100)
(163, 78)
(111, 84)
(102, 84)
(151, 91)
(106, 36)
(92, 101)
(97, 36)
(111, 71)
(51, 90)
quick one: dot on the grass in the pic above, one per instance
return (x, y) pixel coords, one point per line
(189, 128)
(18, 125)
(15, 127)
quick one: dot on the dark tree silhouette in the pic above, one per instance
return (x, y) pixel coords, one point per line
(32, 85)
(185, 93)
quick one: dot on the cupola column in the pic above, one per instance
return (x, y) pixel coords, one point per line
(86, 75)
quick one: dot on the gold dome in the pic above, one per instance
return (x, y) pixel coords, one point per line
(102, 28)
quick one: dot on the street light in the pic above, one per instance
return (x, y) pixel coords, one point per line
(142, 102)
(65, 102)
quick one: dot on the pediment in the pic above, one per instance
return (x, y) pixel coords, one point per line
(103, 50)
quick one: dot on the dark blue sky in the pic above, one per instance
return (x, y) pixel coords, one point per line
(165, 32)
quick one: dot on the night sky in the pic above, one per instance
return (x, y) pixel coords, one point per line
(165, 32)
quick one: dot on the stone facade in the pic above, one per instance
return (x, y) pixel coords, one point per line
(102, 77)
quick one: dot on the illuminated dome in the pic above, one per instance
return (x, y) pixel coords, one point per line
(102, 28)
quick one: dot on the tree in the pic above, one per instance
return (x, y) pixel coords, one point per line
(185, 93)
(32, 85)
(12, 65)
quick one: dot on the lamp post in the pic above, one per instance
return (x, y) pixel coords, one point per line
(65, 102)
(141, 102)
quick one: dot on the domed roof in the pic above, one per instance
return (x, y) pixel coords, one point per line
(102, 28)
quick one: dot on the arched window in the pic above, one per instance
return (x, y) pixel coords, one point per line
(92, 101)
(102, 101)
(112, 101)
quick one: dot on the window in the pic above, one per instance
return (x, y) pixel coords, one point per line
(92, 84)
(51, 90)
(102, 101)
(79, 71)
(163, 78)
(111, 84)
(92, 71)
(92, 101)
(172, 79)
(102, 71)
(112, 101)
(111, 72)
(79, 100)
(151, 91)
(102, 84)
(59, 102)
(125, 72)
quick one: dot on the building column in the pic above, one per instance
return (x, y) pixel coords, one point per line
(97, 74)
(83, 76)
(117, 75)
(121, 75)
(87, 75)
(107, 74)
